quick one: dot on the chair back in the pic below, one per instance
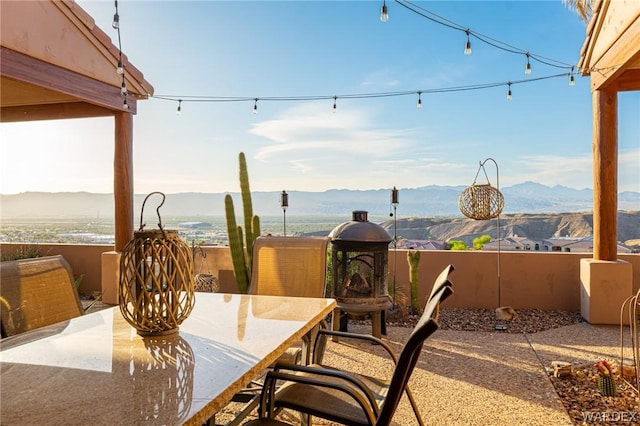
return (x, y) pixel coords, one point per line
(36, 292)
(441, 281)
(289, 266)
(408, 358)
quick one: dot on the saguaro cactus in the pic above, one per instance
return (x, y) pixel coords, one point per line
(413, 257)
(241, 251)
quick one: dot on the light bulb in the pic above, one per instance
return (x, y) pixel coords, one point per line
(384, 15)
(116, 21)
(123, 89)
(120, 68)
(419, 105)
(179, 110)
(125, 105)
(509, 93)
(571, 80)
(335, 106)
(255, 106)
(467, 46)
(527, 68)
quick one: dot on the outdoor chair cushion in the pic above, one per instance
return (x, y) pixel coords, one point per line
(36, 292)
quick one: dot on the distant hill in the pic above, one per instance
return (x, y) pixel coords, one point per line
(534, 226)
(427, 201)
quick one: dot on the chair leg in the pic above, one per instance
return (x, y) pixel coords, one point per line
(416, 411)
(305, 419)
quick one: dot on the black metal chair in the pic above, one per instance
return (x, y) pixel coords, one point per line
(345, 397)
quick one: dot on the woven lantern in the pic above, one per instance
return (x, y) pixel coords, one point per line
(156, 279)
(481, 202)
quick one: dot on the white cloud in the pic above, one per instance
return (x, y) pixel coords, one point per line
(312, 132)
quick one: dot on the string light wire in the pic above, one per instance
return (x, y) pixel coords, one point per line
(433, 17)
(427, 14)
(223, 99)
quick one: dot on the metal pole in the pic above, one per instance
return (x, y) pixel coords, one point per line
(497, 223)
(284, 203)
(394, 202)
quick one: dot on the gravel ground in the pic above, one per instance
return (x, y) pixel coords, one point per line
(520, 394)
(525, 320)
(578, 393)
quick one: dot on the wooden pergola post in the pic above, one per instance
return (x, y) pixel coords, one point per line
(123, 179)
(605, 174)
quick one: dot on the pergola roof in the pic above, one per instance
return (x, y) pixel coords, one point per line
(612, 45)
(56, 63)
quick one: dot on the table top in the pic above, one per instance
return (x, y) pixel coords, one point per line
(95, 369)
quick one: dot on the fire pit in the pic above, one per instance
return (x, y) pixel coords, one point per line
(359, 254)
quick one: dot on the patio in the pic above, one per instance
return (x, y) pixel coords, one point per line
(463, 377)
(485, 377)
(481, 378)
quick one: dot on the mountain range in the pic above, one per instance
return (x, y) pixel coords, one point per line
(427, 201)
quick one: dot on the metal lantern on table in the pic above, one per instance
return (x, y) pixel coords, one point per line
(156, 279)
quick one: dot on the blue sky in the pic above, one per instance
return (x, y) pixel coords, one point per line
(333, 48)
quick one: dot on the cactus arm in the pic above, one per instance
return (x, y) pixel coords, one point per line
(413, 257)
(247, 206)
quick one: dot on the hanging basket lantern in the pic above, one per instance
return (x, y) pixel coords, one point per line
(481, 202)
(156, 279)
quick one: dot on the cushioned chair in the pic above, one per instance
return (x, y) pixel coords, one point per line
(344, 397)
(284, 266)
(289, 266)
(36, 292)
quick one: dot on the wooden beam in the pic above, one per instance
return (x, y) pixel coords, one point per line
(123, 179)
(629, 80)
(34, 71)
(57, 111)
(617, 58)
(605, 174)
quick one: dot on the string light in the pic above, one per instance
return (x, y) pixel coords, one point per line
(335, 106)
(120, 66)
(116, 19)
(179, 110)
(467, 46)
(223, 99)
(384, 15)
(440, 20)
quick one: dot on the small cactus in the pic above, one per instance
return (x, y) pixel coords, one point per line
(607, 385)
(413, 257)
(606, 382)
